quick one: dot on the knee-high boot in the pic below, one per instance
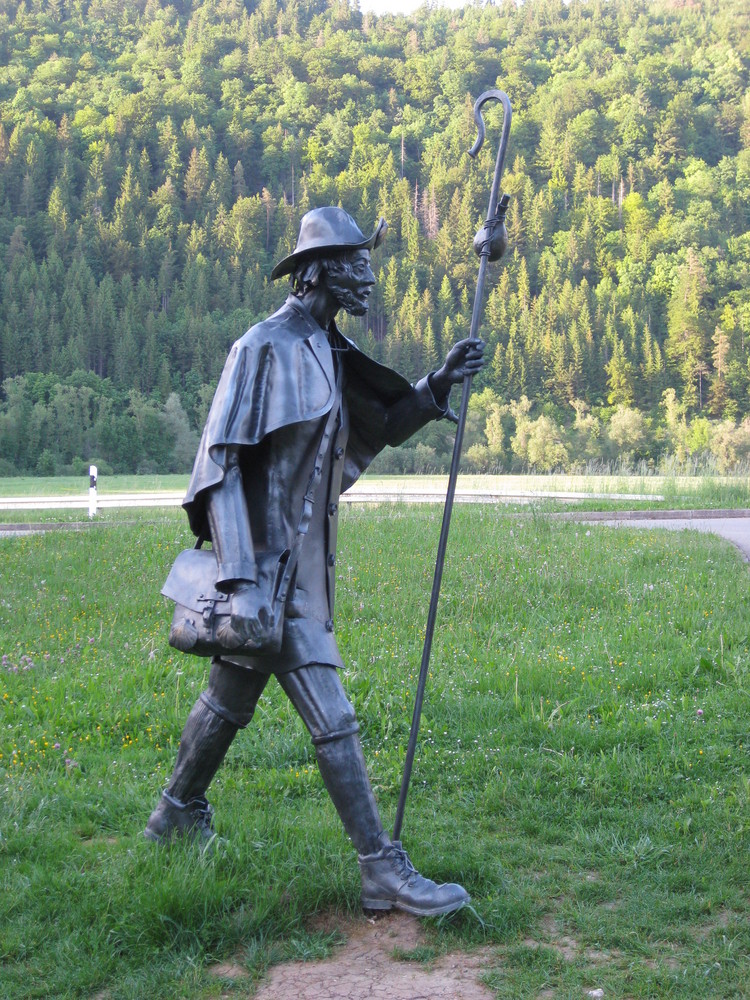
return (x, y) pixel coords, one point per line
(206, 737)
(183, 808)
(389, 879)
(204, 743)
(342, 767)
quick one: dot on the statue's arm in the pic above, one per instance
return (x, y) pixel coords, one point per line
(229, 524)
(232, 540)
(429, 398)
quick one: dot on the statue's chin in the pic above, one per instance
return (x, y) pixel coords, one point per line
(355, 307)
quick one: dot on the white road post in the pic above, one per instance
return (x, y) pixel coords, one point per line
(92, 491)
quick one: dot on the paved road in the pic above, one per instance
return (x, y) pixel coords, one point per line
(104, 500)
(734, 525)
(361, 492)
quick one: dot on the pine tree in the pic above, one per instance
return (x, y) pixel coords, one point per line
(686, 341)
(620, 376)
(196, 179)
(719, 391)
(239, 187)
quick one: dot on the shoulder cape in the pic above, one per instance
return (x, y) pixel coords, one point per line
(281, 373)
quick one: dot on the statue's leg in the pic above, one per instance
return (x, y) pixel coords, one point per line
(388, 877)
(226, 706)
(318, 695)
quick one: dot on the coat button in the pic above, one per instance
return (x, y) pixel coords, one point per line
(331, 559)
(339, 452)
(329, 625)
(332, 508)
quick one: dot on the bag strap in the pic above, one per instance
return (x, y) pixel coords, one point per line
(309, 499)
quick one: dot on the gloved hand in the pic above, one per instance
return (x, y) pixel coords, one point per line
(464, 358)
(252, 616)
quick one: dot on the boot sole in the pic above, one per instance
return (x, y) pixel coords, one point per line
(383, 906)
(173, 836)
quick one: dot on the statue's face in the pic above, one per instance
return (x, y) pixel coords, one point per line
(350, 280)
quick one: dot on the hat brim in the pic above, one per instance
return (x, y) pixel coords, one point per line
(288, 264)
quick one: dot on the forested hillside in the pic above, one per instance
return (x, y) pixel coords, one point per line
(155, 160)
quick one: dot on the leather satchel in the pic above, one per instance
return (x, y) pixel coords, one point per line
(201, 623)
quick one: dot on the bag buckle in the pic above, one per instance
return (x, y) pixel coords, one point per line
(209, 605)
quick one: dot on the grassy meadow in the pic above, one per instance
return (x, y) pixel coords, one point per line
(582, 767)
(679, 492)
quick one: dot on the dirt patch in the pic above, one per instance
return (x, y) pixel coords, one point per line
(717, 922)
(611, 905)
(567, 947)
(664, 962)
(228, 970)
(366, 968)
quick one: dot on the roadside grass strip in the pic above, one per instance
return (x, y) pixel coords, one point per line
(584, 491)
(582, 765)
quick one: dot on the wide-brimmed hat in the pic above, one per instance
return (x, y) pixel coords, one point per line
(328, 229)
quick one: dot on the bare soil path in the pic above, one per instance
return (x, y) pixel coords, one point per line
(374, 964)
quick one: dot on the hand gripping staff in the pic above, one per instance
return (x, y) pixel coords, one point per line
(489, 244)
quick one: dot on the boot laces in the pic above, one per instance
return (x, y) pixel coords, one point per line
(404, 867)
(202, 811)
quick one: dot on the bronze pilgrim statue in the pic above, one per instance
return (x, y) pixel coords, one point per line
(298, 415)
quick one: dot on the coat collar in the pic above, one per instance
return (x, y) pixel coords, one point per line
(299, 307)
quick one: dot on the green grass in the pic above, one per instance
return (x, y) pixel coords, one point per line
(643, 492)
(681, 492)
(29, 486)
(582, 767)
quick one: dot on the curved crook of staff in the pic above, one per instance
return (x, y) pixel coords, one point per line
(489, 244)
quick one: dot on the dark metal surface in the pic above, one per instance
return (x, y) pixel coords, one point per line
(297, 407)
(486, 249)
(328, 229)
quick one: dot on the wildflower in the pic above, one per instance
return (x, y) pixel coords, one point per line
(699, 713)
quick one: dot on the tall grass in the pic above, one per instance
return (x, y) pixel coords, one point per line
(582, 764)
(679, 491)
(24, 486)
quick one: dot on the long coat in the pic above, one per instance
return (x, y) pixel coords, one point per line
(278, 386)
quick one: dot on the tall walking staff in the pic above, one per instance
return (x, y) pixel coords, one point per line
(489, 244)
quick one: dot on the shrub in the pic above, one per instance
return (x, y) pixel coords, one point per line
(628, 434)
(546, 448)
(730, 445)
(46, 464)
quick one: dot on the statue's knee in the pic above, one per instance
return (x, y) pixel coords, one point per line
(233, 692)
(319, 697)
(340, 724)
